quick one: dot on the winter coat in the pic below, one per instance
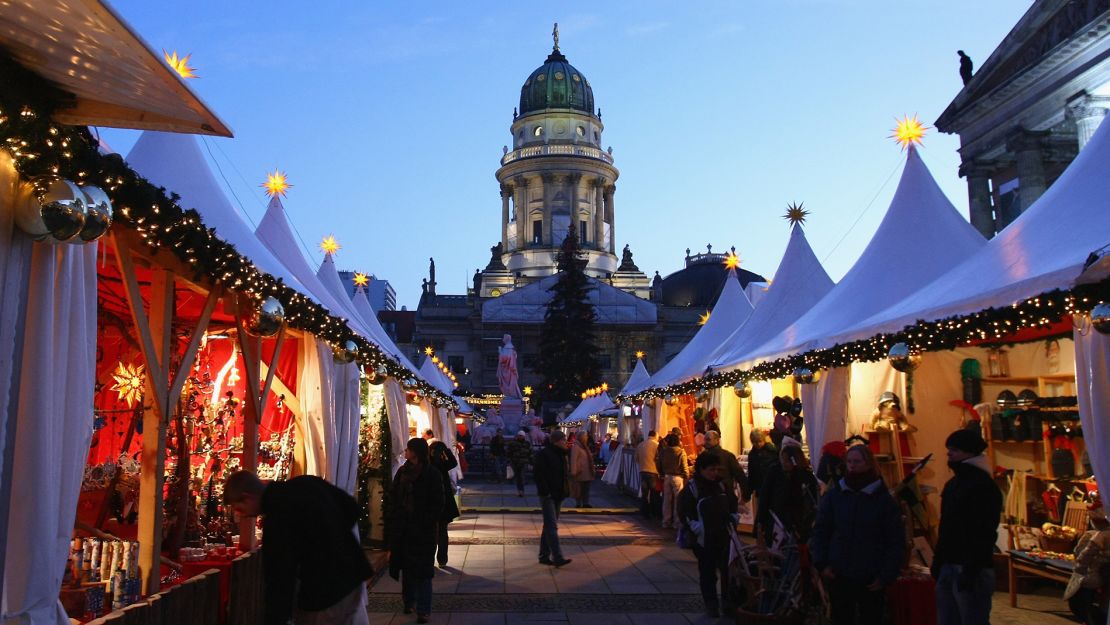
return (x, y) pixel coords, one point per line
(859, 533)
(645, 455)
(793, 496)
(734, 473)
(671, 460)
(497, 446)
(581, 463)
(310, 554)
(970, 510)
(760, 462)
(416, 509)
(551, 470)
(520, 453)
(443, 461)
(707, 506)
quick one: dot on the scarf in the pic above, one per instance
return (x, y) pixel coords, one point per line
(860, 481)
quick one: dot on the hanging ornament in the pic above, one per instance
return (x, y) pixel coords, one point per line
(669, 399)
(98, 217)
(902, 358)
(414, 398)
(701, 395)
(54, 211)
(1100, 318)
(129, 382)
(376, 378)
(409, 384)
(345, 353)
(805, 375)
(266, 318)
(742, 390)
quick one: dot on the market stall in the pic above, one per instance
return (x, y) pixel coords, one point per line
(623, 471)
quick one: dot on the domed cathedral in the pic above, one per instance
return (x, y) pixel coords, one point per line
(557, 175)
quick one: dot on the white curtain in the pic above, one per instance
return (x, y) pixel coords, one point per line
(730, 418)
(54, 411)
(398, 421)
(825, 408)
(346, 427)
(317, 397)
(1092, 385)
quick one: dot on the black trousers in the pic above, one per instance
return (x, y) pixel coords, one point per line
(852, 603)
(518, 476)
(713, 564)
(441, 542)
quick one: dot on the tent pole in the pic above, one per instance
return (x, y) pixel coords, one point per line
(249, 347)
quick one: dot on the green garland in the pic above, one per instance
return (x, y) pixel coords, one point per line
(992, 324)
(41, 147)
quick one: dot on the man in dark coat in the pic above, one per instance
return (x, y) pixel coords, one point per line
(519, 451)
(970, 510)
(412, 528)
(551, 469)
(443, 461)
(707, 509)
(734, 476)
(497, 454)
(761, 457)
(791, 492)
(314, 566)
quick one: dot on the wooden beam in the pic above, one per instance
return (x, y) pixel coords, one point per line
(135, 301)
(291, 402)
(250, 348)
(270, 373)
(194, 343)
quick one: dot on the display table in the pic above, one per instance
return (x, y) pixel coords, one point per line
(1026, 564)
(912, 601)
(192, 569)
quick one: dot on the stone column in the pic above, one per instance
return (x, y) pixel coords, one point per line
(1028, 149)
(980, 208)
(599, 211)
(574, 179)
(523, 215)
(506, 192)
(1087, 111)
(548, 181)
(610, 213)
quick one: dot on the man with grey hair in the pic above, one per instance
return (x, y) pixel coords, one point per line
(734, 476)
(551, 469)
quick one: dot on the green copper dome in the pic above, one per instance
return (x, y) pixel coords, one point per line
(556, 85)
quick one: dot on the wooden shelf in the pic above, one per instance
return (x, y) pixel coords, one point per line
(1020, 381)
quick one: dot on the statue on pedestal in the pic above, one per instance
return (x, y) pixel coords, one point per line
(507, 377)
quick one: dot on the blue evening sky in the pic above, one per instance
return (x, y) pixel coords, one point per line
(389, 117)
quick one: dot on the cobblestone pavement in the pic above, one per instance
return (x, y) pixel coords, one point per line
(625, 571)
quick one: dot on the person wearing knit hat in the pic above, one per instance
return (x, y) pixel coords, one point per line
(970, 510)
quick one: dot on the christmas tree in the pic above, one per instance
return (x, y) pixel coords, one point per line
(567, 362)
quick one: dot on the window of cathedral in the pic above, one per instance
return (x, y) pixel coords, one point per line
(489, 361)
(597, 137)
(582, 232)
(456, 364)
(537, 232)
(606, 361)
(581, 131)
(538, 131)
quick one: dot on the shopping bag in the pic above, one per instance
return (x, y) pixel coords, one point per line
(509, 472)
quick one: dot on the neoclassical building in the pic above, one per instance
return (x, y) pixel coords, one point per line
(1031, 106)
(557, 173)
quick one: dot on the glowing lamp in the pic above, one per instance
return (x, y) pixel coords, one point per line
(908, 131)
(276, 184)
(179, 64)
(329, 245)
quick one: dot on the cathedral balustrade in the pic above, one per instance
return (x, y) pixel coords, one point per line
(557, 150)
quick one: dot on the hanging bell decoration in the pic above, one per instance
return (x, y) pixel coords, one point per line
(902, 358)
(54, 211)
(266, 318)
(669, 399)
(345, 353)
(1100, 318)
(742, 390)
(805, 375)
(98, 217)
(701, 395)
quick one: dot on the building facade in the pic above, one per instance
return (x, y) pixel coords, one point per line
(381, 293)
(1026, 113)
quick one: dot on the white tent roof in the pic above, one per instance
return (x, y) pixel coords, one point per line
(1045, 248)
(436, 378)
(639, 378)
(799, 283)
(731, 310)
(921, 237)
(529, 304)
(589, 406)
(174, 161)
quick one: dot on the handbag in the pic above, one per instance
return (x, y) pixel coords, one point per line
(509, 472)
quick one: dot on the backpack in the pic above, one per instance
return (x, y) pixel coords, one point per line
(686, 538)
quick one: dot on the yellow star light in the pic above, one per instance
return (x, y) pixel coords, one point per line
(179, 65)
(527, 391)
(129, 382)
(732, 261)
(276, 184)
(330, 245)
(909, 131)
(704, 319)
(639, 355)
(361, 279)
(429, 351)
(796, 214)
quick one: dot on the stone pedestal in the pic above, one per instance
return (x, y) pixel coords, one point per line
(512, 411)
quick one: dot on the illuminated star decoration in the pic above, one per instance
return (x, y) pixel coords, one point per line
(732, 261)
(527, 391)
(428, 350)
(361, 279)
(129, 382)
(179, 65)
(704, 319)
(330, 245)
(639, 355)
(276, 184)
(796, 214)
(909, 131)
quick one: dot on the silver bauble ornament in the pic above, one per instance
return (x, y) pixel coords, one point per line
(376, 378)
(409, 384)
(1100, 318)
(701, 395)
(669, 399)
(266, 318)
(805, 375)
(54, 211)
(382, 371)
(98, 214)
(742, 390)
(902, 358)
(345, 353)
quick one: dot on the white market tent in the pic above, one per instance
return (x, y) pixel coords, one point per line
(623, 467)
(639, 378)
(588, 407)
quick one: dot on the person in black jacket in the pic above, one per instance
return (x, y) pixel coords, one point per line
(791, 493)
(706, 508)
(443, 461)
(970, 510)
(313, 565)
(761, 457)
(734, 476)
(551, 469)
(413, 527)
(858, 542)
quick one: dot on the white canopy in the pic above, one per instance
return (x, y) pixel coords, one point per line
(174, 161)
(921, 237)
(730, 312)
(1045, 248)
(589, 406)
(799, 283)
(639, 378)
(529, 304)
(436, 378)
